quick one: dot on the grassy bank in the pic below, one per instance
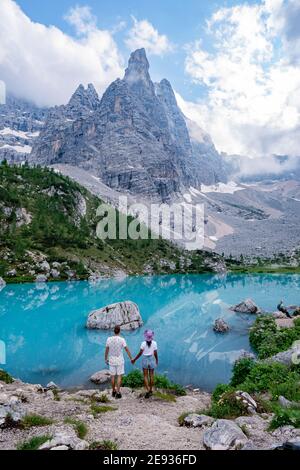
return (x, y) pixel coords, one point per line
(265, 380)
(45, 216)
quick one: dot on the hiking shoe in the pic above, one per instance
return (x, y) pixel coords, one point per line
(114, 394)
(119, 395)
(148, 394)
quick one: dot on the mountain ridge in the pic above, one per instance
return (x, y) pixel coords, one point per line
(135, 139)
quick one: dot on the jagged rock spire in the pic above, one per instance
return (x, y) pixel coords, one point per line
(137, 72)
(87, 98)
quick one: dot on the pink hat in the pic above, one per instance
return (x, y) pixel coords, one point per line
(149, 335)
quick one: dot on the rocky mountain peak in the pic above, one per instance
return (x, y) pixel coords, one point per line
(85, 97)
(137, 73)
(135, 139)
(165, 93)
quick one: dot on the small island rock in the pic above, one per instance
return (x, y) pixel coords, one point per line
(247, 306)
(220, 326)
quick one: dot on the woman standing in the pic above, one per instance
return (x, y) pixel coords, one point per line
(149, 360)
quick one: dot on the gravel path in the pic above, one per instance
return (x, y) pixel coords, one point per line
(136, 423)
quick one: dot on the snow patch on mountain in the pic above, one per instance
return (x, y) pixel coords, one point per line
(18, 148)
(225, 188)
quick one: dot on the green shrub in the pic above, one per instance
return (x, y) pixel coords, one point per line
(241, 370)
(165, 396)
(220, 390)
(264, 376)
(103, 398)
(97, 409)
(135, 379)
(161, 381)
(290, 388)
(228, 407)
(285, 417)
(80, 427)
(103, 445)
(5, 377)
(182, 417)
(32, 420)
(267, 340)
(34, 443)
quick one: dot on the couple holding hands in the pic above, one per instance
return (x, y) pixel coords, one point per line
(115, 359)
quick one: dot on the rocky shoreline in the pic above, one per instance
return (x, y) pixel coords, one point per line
(258, 410)
(87, 419)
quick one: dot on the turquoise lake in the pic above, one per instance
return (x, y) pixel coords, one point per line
(43, 335)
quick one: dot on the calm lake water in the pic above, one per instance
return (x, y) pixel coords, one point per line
(43, 326)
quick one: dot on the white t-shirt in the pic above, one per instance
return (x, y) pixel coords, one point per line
(149, 350)
(116, 344)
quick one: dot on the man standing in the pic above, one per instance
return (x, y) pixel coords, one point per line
(115, 359)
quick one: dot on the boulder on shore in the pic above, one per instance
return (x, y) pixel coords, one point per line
(125, 314)
(41, 278)
(247, 306)
(2, 282)
(198, 421)
(101, 377)
(285, 403)
(247, 401)
(65, 437)
(220, 326)
(289, 357)
(224, 435)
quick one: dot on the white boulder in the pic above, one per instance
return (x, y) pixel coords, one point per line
(224, 435)
(12, 273)
(54, 273)
(65, 438)
(45, 266)
(198, 421)
(2, 283)
(125, 314)
(41, 278)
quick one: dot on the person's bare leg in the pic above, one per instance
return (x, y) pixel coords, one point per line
(113, 383)
(151, 373)
(119, 383)
(146, 380)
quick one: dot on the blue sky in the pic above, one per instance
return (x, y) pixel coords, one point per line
(183, 21)
(234, 64)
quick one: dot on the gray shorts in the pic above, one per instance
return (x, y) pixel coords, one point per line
(148, 362)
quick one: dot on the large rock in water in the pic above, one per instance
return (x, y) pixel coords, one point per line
(247, 306)
(101, 377)
(125, 314)
(224, 435)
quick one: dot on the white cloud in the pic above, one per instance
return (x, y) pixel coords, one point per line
(251, 77)
(82, 19)
(143, 34)
(45, 65)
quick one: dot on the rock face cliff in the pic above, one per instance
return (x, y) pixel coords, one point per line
(135, 139)
(20, 125)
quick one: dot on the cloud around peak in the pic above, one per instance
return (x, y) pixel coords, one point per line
(250, 77)
(44, 65)
(143, 34)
